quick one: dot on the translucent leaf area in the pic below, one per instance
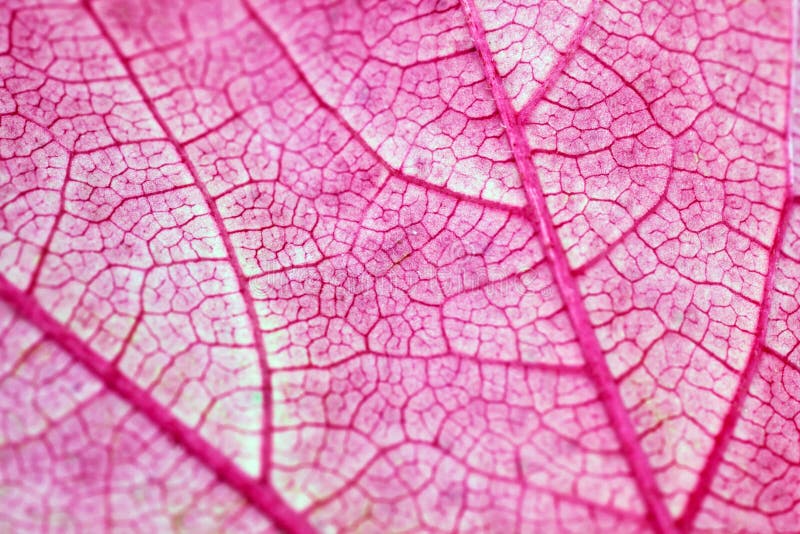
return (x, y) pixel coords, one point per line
(399, 266)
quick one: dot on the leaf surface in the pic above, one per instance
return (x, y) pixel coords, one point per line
(477, 266)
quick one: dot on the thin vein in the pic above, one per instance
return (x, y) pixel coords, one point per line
(357, 137)
(258, 342)
(723, 437)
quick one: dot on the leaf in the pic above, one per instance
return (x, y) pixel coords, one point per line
(488, 266)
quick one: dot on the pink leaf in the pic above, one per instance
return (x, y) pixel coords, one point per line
(398, 266)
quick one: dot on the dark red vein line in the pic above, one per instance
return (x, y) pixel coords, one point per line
(261, 496)
(558, 495)
(258, 341)
(283, 49)
(37, 271)
(607, 387)
(723, 437)
(563, 61)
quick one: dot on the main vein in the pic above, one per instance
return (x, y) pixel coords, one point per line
(593, 354)
(261, 496)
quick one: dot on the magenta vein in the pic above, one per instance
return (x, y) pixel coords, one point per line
(258, 342)
(261, 496)
(596, 364)
(723, 437)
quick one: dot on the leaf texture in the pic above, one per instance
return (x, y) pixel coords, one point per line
(399, 266)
